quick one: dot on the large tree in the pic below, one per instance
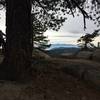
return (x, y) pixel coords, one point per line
(40, 41)
(18, 38)
(19, 30)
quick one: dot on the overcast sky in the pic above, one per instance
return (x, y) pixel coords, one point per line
(2, 20)
(72, 29)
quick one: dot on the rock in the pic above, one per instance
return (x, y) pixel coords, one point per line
(93, 76)
(85, 55)
(67, 55)
(96, 55)
(1, 58)
(40, 54)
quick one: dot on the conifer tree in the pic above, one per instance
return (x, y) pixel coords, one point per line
(85, 42)
(39, 40)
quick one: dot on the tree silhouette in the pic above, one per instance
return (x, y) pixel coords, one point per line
(85, 41)
(2, 41)
(51, 13)
(39, 40)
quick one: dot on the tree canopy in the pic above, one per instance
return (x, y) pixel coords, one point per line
(52, 13)
(85, 41)
(39, 40)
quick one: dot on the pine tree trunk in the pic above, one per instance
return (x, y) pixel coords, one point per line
(19, 38)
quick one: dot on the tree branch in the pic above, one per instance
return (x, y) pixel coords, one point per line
(85, 15)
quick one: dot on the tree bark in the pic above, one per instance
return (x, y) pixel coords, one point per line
(19, 38)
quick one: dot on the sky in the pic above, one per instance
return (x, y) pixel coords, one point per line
(69, 33)
(2, 20)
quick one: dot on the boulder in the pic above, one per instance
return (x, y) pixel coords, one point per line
(1, 58)
(96, 55)
(85, 55)
(67, 55)
(93, 76)
(40, 54)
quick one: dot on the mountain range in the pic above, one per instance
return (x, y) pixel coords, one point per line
(55, 46)
(58, 49)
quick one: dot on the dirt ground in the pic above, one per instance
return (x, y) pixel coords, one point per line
(48, 83)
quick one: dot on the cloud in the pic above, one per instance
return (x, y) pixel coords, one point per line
(75, 32)
(72, 36)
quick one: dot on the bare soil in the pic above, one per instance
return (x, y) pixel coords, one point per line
(49, 82)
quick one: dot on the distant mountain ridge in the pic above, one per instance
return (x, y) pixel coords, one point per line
(58, 49)
(54, 46)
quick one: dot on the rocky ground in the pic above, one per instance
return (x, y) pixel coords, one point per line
(56, 79)
(48, 85)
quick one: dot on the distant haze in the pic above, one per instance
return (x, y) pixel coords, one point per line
(53, 46)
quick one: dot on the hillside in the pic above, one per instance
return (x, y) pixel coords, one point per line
(59, 49)
(51, 81)
(62, 50)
